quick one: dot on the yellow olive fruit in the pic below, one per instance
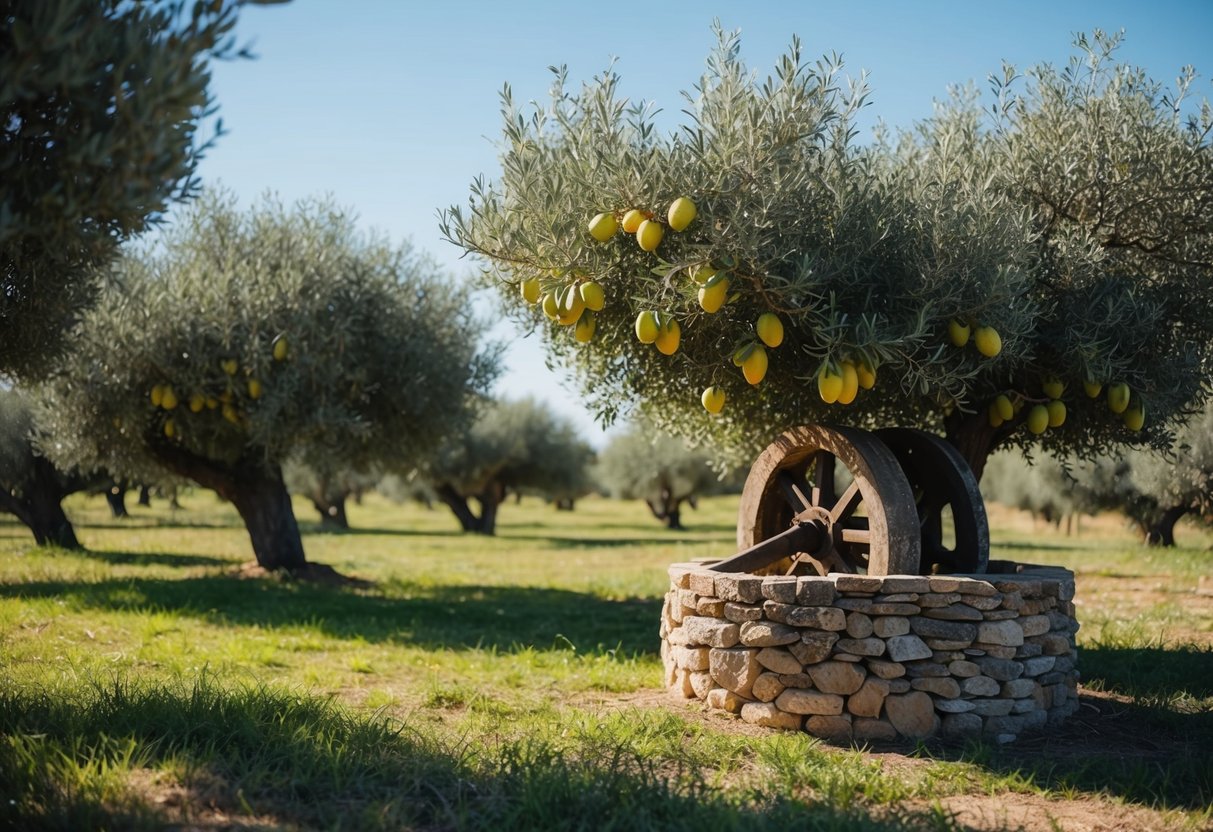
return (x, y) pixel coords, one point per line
(1118, 397)
(1005, 409)
(157, 395)
(229, 413)
(646, 327)
(770, 329)
(713, 295)
(197, 402)
(168, 399)
(682, 213)
(713, 399)
(550, 307)
(170, 429)
(529, 289)
(281, 348)
(754, 368)
(867, 375)
(230, 366)
(649, 234)
(988, 341)
(211, 402)
(584, 330)
(593, 296)
(958, 332)
(1135, 417)
(569, 306)
(702, 273)
(1057, 413)
(1038, 419)
(1092, 389)
(829, 385)
(603, 227)
(850, 382)
(254, 389)
(1053, 387)
(995, 415)
(669, 337)
(632, 220)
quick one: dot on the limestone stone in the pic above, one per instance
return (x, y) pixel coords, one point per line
(836, 677)
(814, 646)
(943, 584)
(690, 658)
(894, 609)
(1064, 664)
(1035, 625)
(947, 656)
(1058, 621)
(744, 588)
(1019, 688)
(946, 687)
(1033, 606)
(925, 668)
(711, 607)
(954, 612)
(905, 583)
(738, 613)
(701, 683)
(857, 583)
(682, 689)
(980, 686)
(680, 575)
(899, 685)
(912, 714)
(890, 625)
(735, 669)
(886, 670)
(861, 646)
(796, 680)
(780, 588)
(766, 634)
(869, 699)
(663, 630)
(973, 586)
(998, 651)
(847, 657)
(946, 644)
(1023, 706)
(814, 592)
(992, 707)
(1006, 633)
(820, 618)
(1055, 645)
(677, 637)
(836, 728)
(873, 730)
(1002, 670)
(950, 630)
(984, 603)
(710, 632)
(1028, 650)
(954, 706)
(687, 600)
(856, 604)
(859, 625)
(725, 700)
(767, 686)
(702, 583)
(778, 660)
(1001, 615)
(956, 726)
(776, 611)
(797, 701)
(767, 715)
(895, 598)
(1012, 600)
(928, 600)
(963, 668)
(906, 648)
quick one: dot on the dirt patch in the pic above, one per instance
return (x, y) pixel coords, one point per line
(1030, 812)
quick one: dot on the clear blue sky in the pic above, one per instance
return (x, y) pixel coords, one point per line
(391, 106)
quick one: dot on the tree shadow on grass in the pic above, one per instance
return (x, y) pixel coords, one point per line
(282, 758)
(505, 618)
(156, 558)
(1145, 736)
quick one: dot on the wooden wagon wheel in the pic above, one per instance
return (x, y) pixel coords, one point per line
(790, 507)
(941, 479)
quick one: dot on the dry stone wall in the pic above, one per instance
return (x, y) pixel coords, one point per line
(867, 658)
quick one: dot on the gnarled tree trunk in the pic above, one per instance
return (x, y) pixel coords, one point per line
(975, 438)
(115, 495)
(489, 498)
(668, 509)
(38, 504)
(332, 511)
(1162, 531)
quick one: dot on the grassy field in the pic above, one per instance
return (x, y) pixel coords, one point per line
(514, 682)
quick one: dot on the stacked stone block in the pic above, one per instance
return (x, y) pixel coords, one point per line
(868, 658)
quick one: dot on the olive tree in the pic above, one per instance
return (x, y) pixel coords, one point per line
(1179, 482)
(31, 488)
(1041, 267)
(514, 446)
(100, 105)
(249, 338)
(645, 464)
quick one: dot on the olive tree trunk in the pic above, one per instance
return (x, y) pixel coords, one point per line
(1162, 530)
(974, 437)
(668, 509)
(38, 504)
(489, 498)
(332, 511)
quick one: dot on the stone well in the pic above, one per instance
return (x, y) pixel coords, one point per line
(868, 658)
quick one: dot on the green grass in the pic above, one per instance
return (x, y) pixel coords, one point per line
(510, 682)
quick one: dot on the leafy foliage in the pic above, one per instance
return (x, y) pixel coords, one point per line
(1074, 217)
(100, 102)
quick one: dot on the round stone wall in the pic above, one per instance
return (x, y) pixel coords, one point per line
(867, 658)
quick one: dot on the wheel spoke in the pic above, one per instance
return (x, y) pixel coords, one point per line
(794, 489)
(847, 503)
(823, 478)
(861, 536)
